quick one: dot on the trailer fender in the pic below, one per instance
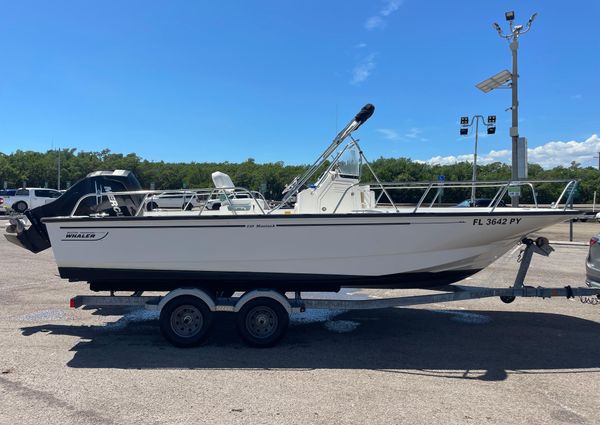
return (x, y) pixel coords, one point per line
(208, 300)
(258, 293)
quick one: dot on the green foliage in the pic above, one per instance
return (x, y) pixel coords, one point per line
(40, 169)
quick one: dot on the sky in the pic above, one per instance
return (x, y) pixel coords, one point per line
(274, 80)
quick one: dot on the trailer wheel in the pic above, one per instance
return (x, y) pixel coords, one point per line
(20, 207)
(185, 321)
(262, 322)
(151, 206)
(507, 299)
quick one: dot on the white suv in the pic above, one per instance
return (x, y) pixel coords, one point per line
(179, 200)
(30, 197)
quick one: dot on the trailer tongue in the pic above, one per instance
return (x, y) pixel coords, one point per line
(35, 236)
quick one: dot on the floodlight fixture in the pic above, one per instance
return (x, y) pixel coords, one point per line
(510, 16)
(464, 131)
(497, 28)
(494, 82)
(531, 19)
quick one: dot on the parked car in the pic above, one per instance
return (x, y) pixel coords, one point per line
(588, 215)
(30, 197)
(7, 192)
(479, 202)
(174, 199)
(592, 264)
(238, 201)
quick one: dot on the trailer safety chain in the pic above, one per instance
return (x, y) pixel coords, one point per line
(590, 300)
(520, 256)
(526, 242)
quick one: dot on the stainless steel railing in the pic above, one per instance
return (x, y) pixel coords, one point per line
(228, 195)
(427, 187)
(225, 195)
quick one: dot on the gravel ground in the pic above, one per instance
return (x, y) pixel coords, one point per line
(534, 361)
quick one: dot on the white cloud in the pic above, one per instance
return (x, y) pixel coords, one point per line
(378, 21)
(365, 67)
(549, 155)
(363, 70)
(388, 133)
(562, 153)
(412, 134)
(492, 156)
(374, 22)
(390, 7)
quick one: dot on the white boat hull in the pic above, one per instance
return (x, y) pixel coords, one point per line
(294, 252)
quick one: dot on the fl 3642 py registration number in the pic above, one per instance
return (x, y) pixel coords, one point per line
(495, 221)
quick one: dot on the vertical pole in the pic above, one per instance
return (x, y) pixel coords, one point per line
(594, 204)
(514, 131)
(475, 160)
(571, 230)
(58, 177)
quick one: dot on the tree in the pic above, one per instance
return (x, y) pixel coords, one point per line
(37, 168)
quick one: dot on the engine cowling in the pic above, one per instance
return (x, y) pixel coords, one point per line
(35, 236)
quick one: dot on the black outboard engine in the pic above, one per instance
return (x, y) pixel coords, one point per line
(35, 237)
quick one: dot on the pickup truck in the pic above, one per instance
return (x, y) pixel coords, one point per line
(30, 197)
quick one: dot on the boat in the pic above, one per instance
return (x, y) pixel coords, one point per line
(339, 232)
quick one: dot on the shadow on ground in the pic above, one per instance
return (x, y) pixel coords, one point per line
(409, 341)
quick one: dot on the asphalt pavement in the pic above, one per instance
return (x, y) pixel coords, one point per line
(481, 361)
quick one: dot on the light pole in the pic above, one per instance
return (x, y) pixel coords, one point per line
(464, 131)
(513, 38)
(58, 172)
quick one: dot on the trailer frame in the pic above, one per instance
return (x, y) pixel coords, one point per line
(285, 306)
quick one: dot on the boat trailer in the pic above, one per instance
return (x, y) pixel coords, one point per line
(263, 314)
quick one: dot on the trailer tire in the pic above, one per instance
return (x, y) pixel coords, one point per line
(262, 322)
(151, 206)
(507, 299)
(20, 207)
(185, 321)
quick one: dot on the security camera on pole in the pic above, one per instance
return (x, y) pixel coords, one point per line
(500, 80)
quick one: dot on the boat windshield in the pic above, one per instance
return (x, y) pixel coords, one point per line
(349, 163)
